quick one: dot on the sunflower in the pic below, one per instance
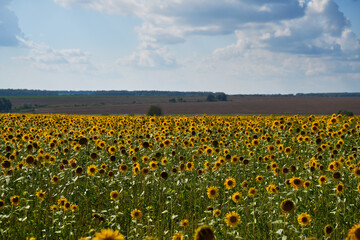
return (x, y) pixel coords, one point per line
(74, 207)
(232, 219)
(244, 184)
(108, 234)
(114, 195)
(212, 192)
(322, 180)
(153, 165)
(184, 223)
(236, 197)
(178, 236)
(287, 150)
(271, 188)
(54, 208)
(304, 219)
(354, 232)
(204, 233)
(123, 168)
(230, 183)
(15, 200)
(2, 204)
(307, 184)
(296, 182)
(328, 230)
(356, 172)
(91, 170)
(217, 212)
(62, 201)
(189, 166)
(259, 178)
(252, 192)
(78, 171)
(287, 206)
(41, 195)
(136, 214)
(112, 149)
(67, 206)
(340, 188)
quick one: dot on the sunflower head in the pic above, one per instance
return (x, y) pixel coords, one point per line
(304, 219)
(108, 234)
(114, 195)
(287, 206)
(328, 230)
(212, 192)
(232, 219)
(204, 233)
(136, 214)
(230, 183)
(354, 232)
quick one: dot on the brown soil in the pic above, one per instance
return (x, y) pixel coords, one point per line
(193, 105)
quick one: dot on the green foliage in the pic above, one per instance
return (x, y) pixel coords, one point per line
(211, 98)
(345, 112)
(221, 97)
(154, 111)
(5, 105)
(216, 97)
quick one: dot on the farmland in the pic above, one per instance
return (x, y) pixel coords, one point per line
(247, 105)
(139, 177)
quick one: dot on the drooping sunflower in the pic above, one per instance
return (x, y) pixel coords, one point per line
(136, 214)
(304, 219)
(287, 206)
(232, 219)
(236, 197)
(328, 230)
(114, 195)
(230, 183)
(204, 233)
(15, 200)
(2, 204)
(108, 234)
(212, 192)
(91, 170)
(354, 232)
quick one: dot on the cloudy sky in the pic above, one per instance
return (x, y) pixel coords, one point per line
(233, 46)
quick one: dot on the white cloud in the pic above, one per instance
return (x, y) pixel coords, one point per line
(9, 27)
(46, 58)
(282, 45)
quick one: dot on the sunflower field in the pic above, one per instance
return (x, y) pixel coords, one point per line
(141, 177)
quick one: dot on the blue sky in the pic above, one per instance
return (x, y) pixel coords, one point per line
(233, 46)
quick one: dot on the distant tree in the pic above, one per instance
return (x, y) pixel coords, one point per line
(154, 111)
(211, 98)
(221, 97)
(172, 100)
(345, 112)
(5, 105)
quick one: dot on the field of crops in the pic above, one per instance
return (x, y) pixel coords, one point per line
(140, 177)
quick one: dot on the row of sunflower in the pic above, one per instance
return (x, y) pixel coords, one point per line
(106, 177)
